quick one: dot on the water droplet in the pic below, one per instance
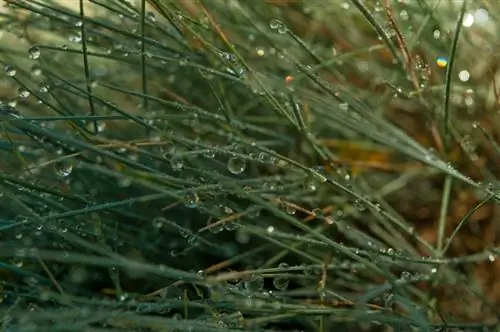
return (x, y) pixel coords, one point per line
(312, 270)
(63, 168)
(405, 275)
(101, 126)
(423, 71)
(176, 163)
(281, 282)
(318, 213)
(216, 227)
(359, 205)
(209, 153)
(10, 71)
(260, 51)
(227, 210)
(23, 92)
(253, 211)
(123, 297)
(236, 165)
(151, 16)
(184, 232)
(177, 316)
(237, 71)
(191, 199)
(36, 70)
(310, 185)
(432, 155)
(464, 75)
(124, 182)
(172, 292)
(168, 148)
(468, 20)
(436, 34)
(44, 87)
(289, 208)
(231, 225)
(404, 15)
(254, 283)
(344, 106)
(228, 56)
(34, 52)
(388, 300)
(318, 177)
(278, 26)
(158, 222)
(242, 236)
(442, 61)
(481, 16)
(75, 39)
(193, 240)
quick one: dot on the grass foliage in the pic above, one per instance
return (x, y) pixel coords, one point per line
(223, 165)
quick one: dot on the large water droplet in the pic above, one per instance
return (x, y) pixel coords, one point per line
(34, 52)
(254, 283)
(278, 26)
(216, 227)
(63, 168)
(281, 282)
(176, 163)
(191, 199)
(10, 71)
(236, 165)
(253, 211)
(23, 92)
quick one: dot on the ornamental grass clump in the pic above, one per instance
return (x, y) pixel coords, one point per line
(249, 165)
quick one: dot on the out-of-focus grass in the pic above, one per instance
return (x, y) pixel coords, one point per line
(229, 165)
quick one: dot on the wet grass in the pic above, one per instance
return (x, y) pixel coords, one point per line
(232, 165)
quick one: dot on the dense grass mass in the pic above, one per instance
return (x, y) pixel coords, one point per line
(224, 165)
